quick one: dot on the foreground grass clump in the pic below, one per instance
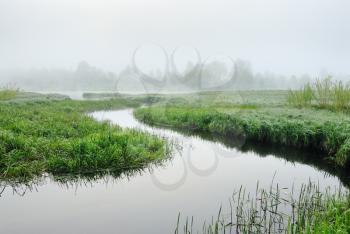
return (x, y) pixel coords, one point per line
(277, 210)
(324, 93)
(58, 137)
(319, 130)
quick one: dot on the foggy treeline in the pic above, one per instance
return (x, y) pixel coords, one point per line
(211, 76)
(84, 77)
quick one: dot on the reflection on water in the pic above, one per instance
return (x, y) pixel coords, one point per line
(199, 178)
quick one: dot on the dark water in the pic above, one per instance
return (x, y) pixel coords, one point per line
(200, 177)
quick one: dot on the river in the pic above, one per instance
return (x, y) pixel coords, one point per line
(200, 177)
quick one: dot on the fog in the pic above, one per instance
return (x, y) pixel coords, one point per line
(107, 45)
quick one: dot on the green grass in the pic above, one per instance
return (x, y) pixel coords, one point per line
(278, 210)
(256, 97)
(320, 130)
(306, 119)
(59, 138)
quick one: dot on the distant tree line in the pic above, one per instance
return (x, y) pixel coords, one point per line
(195, 77)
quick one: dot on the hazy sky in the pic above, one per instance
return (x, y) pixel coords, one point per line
(283, 36)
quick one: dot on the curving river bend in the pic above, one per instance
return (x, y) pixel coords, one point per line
(196, 181)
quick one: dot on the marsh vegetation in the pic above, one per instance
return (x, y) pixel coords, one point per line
(320, 130)
(58, 137)
(325, 93)
(7, 94)
(309, 211)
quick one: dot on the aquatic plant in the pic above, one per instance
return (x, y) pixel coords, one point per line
(279, 210)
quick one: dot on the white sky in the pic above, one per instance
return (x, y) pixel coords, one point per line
(282, 36)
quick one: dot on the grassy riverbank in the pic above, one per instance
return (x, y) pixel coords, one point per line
(56, 136)
(323, 131)
(40, 134)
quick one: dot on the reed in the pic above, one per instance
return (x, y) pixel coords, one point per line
(301, 98)
(341, 94)
(326, 93)
(7, 94)
(279, 210)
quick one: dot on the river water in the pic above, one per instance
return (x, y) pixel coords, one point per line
(199, 178)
